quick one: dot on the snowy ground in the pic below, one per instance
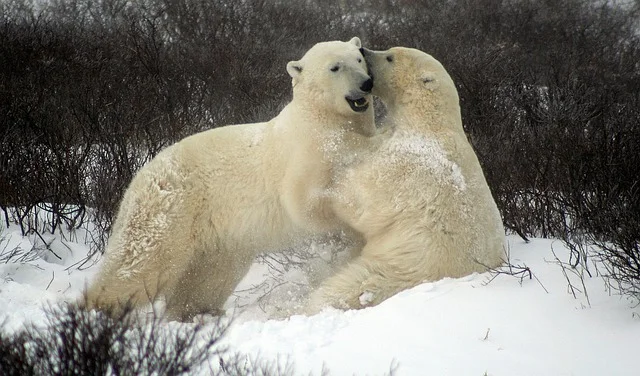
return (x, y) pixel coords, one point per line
(464, 326)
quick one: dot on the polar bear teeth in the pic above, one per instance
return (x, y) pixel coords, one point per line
(360, 102)
(358, 105)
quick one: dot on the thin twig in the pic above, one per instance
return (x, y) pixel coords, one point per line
(53, 275)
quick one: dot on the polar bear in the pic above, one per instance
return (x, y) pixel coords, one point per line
(193, 219)
(422, 202)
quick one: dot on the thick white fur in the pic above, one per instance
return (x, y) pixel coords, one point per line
(422, 201)
(193, 219)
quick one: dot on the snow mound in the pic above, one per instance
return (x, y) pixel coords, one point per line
(481, 324)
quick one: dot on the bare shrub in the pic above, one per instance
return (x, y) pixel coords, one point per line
(78, 342)
(91, 90)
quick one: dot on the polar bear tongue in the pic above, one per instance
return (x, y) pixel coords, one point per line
(358, 105)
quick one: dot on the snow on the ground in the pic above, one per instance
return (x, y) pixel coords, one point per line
(463, 326)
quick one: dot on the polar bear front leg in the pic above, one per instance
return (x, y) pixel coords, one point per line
(361, 283)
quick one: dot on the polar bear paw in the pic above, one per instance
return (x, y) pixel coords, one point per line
(366, 298)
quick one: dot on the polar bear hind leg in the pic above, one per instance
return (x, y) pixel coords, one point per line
(205, 285)
(144, 255)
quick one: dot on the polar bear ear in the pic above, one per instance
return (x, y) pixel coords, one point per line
(294, 68)
(356, 41)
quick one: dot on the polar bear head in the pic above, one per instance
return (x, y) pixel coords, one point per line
(409, 80)
(333, 77)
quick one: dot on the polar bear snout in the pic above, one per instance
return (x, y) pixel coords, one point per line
(358, 98)
(367, 55)
(367, 85)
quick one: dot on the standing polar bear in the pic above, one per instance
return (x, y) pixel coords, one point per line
(421, 202)
(193, 219)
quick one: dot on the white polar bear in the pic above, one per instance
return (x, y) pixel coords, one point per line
(193, 219)
(421, 202)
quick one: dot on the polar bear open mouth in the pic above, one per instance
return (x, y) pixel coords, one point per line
(358, 105)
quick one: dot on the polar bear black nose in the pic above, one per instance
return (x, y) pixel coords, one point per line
(367, 86)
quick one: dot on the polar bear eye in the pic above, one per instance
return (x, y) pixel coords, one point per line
(390, 59)
(359, 60)
(335, 68)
